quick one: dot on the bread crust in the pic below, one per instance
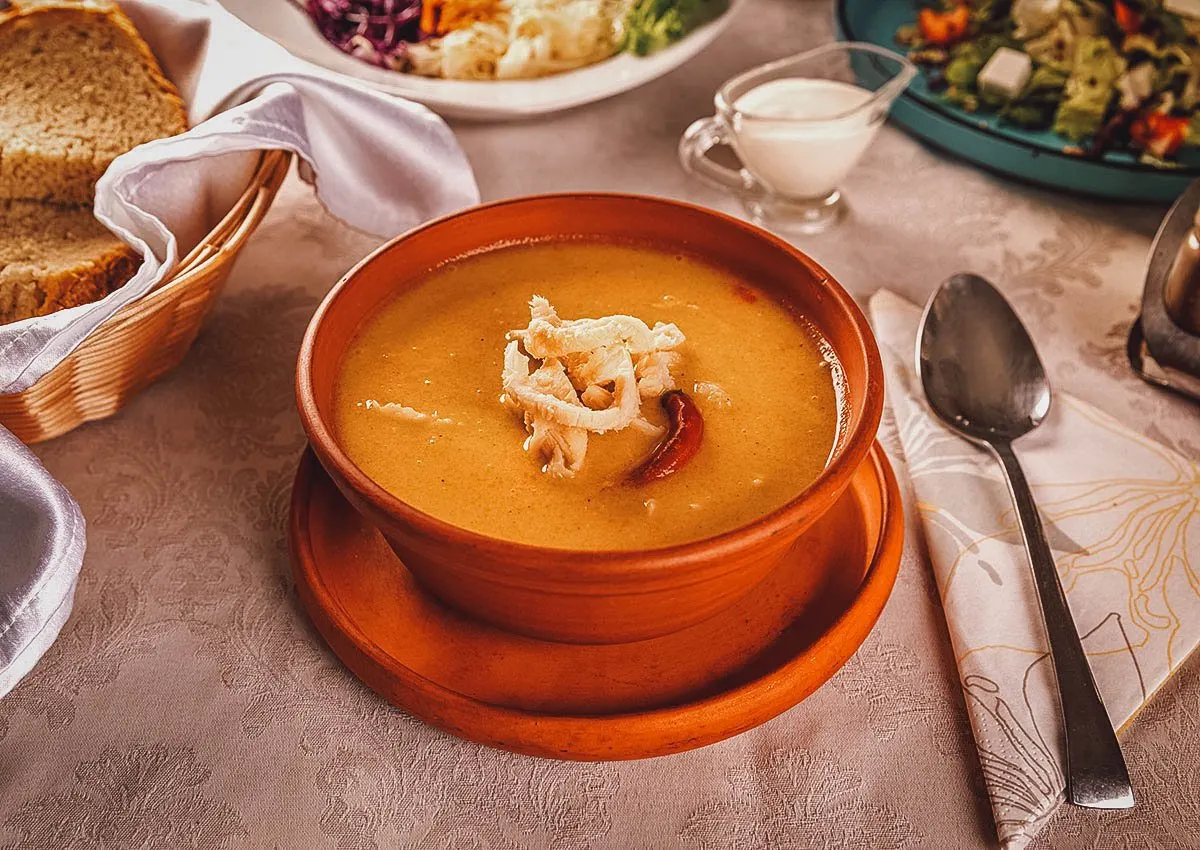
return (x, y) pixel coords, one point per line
(91, 282)
(56, 256)
(84, 9)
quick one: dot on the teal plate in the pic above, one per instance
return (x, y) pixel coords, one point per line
(1031, 156)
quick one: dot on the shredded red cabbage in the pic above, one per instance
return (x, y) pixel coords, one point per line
(376, 31)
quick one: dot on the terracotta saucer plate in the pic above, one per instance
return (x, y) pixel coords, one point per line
(706, 683)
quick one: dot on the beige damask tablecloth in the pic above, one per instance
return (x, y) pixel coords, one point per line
(189, 703)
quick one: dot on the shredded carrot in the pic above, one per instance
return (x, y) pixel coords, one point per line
(429, 16)
(457, 14)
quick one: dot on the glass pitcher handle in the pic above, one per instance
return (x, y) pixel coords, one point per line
(697, 141)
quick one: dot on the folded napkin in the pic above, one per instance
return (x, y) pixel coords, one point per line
(41, 549)
(379, 163)
(1122, 514)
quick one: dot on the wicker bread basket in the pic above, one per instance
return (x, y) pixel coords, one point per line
(148, 338)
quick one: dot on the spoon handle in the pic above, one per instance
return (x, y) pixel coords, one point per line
(1096, 774)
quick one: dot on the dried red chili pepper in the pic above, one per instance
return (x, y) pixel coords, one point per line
(685, 431)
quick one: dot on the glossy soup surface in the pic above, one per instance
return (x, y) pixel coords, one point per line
(438, 346)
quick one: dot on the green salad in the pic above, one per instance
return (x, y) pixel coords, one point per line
(1103, 74)
(653, 24)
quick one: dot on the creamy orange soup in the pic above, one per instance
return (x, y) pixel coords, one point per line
(762, 380)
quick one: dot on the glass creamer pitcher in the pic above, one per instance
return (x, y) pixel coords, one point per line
(798, 125)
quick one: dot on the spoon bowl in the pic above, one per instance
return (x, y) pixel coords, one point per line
(979, 367)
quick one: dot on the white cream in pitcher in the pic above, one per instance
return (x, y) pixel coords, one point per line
(801, 136)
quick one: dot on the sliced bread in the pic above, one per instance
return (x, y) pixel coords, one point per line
(78, 87)
(53, 257)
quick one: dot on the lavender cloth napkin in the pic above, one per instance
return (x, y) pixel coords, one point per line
(41, 550)
(379, 163)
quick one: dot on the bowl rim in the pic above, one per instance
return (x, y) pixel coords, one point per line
(844, 460)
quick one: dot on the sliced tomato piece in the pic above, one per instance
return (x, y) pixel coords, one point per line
(1128, 20)
(944, 27)
(1159, 134)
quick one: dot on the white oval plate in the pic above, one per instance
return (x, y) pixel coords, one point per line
(282, 21)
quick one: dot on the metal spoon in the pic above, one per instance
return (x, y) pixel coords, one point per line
(982, 375)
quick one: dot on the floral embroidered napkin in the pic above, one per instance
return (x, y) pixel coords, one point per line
(1122, 514)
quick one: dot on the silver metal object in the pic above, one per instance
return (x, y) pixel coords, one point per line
(983, 376)
(1143, 361)
(1164, 342)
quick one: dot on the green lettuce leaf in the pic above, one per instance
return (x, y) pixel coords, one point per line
(1090, 88)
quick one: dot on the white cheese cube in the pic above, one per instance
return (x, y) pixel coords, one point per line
(1005, 74)
(1184, 8)
(1136, 85)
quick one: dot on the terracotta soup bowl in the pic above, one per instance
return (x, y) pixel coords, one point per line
(591, 596)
